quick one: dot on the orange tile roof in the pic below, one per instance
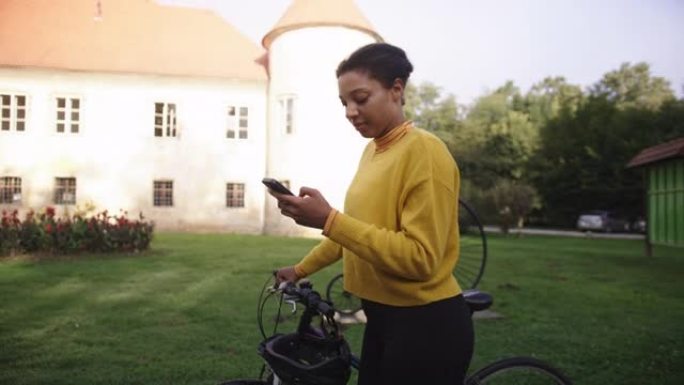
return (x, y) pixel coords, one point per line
(314, 13)
(133, 36)
(667, 150)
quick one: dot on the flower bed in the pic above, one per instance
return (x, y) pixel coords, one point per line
(70, 234)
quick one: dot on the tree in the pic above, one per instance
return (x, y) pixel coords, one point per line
(513, 201)
(497, 138)
(632, 86)
(581, 161)
(546, 99)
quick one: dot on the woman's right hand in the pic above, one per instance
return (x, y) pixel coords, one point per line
(287, 274)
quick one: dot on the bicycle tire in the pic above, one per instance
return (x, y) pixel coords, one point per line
(518, 371)
(245, 382)
(343, 301)
(473, 248)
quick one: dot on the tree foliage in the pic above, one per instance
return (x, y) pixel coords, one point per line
(566, 147)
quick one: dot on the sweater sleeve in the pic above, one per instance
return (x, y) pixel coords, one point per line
(325, 253)
(416, 250)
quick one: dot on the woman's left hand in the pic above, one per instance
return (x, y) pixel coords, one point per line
(308, 209)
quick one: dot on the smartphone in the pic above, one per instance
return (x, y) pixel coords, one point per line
(276, 186)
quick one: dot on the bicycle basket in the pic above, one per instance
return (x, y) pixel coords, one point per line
(308, 360)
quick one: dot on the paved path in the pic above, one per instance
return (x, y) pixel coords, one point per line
(566, 233)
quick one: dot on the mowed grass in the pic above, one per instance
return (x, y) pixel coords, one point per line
(184, 312)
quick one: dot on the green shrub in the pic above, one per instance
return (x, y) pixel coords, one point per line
(70, 234)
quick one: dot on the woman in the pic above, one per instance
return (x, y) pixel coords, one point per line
(398, 234)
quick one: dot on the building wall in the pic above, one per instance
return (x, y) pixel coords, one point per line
(666, 202)
(324, 149)
(115, 157)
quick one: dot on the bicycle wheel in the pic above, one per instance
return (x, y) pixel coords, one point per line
(245, 382)
(473, 248)
(518, 371)
(343, 301)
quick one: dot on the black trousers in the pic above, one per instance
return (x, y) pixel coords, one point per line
(429, 344)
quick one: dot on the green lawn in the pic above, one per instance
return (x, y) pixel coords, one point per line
(184, 313)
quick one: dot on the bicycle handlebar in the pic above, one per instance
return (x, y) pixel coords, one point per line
(305, 294)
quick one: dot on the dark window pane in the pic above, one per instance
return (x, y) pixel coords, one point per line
(74, 128)
(5, 125)
(243, 134)
(157, 131)
(243, 111)
(75, 103)
(5, 100)
(61, 102)
(21, 114)
(5, 113)
(21, 101)
(74, 116)
(20, 126)
(60, 115)
(158, 121)
(231, 134)
(60, 127)
(231, 111)
(158, 108)
(243, 123)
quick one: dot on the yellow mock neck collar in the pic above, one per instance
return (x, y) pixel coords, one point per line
(386, 141)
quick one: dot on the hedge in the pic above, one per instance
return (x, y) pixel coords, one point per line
(44, 232)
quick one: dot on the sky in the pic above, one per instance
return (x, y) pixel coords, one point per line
(470, 47)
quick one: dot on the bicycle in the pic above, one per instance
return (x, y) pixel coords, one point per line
(320, 355)
(468, 271)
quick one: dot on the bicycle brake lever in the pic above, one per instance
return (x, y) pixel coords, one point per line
(293, 303)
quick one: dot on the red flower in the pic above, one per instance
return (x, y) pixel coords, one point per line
(48, 228)
(50, 211)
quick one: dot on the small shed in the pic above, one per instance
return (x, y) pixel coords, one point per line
(663, 167)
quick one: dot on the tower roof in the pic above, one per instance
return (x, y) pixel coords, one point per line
(316, 13)
(131, 36)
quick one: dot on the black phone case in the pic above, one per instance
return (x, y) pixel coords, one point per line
(276, 186)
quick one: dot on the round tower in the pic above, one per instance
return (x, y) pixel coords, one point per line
(309, 141)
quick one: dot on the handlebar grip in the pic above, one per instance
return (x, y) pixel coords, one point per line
(325, 308)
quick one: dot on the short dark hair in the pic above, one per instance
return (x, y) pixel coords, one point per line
(383, 62)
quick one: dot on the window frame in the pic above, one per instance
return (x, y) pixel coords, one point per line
(168, 128)
(12, 121)
(68, 110)
(235, 197)
(287, 113)
(10, 190)
(162, 195)
(63, 187)
(234, 122)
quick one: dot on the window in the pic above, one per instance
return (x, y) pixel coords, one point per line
(68, 114)
(10, 189)
(12, 112)
(286, 105)
(165, 123)
(65, 191)
(163, 193)
(235, 195)
(238, 120)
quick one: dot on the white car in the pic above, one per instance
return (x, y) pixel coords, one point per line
(601, 220)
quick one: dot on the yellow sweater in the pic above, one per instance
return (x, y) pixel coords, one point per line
(398, 234)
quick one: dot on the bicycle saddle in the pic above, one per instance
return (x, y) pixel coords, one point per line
(477, 300)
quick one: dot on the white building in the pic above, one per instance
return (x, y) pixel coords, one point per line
(171, 112)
